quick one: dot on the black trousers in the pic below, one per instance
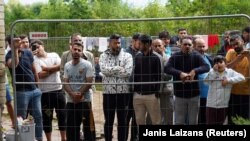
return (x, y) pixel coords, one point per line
(50, 101)
(239, 105)
(115, 103)
(76, 114)
(131, 117)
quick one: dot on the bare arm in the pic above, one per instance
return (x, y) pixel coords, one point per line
(86, 87)
(67, 87)
(17, 43)
(35, 72)
(46, 71)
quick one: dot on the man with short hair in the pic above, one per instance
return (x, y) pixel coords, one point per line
(26, 94)
(175, 40)
(79, 107)
(201, 47)
(185, 66)
(166, 93)
(238, 59)
(133, 49)
(246, 36)
(48, 66)
(116, 67)
(148, 68)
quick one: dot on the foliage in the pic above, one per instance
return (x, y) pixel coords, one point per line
(240, 121)
(120, 9)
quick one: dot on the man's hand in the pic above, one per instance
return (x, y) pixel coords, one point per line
(224, 82)
(191, 74)
(184, 76)
(17, 43)
(76, 97)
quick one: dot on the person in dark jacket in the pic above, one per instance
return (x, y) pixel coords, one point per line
(185, 66)
(148, 68)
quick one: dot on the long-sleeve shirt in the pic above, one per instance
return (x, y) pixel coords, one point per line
(180, 62)
(218, 95)
(116, 69)
(147, 69)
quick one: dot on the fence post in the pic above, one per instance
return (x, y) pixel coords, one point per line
(2, 65)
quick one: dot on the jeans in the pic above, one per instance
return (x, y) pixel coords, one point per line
(32, 98)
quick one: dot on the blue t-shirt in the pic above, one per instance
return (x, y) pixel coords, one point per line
(204, 87)
(23, 70)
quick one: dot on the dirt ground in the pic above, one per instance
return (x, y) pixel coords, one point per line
(98, 115)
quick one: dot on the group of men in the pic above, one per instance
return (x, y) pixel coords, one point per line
(137, 84)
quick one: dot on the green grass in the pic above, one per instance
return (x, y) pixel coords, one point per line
(240, 121)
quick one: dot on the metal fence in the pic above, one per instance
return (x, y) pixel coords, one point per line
(59, 31)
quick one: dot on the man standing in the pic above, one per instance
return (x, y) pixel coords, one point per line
(238, 59)
(116, 67)
(133, 49)
(26, 94)
(200, 46)
(48, 66)
(185, 66)
(148, 68)
(79, 97)
(166, 93)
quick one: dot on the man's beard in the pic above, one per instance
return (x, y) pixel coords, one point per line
(238, 50)
(115, 51)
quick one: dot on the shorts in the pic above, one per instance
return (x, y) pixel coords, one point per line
(8, 95)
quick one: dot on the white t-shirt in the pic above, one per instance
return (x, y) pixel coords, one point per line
(51, 59)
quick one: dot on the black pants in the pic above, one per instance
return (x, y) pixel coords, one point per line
(238, 106)
(50, 101)
(76, 114)
(202, 112)
(131, 116)
(115, 103)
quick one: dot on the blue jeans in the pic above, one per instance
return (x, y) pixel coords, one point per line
(32, 99)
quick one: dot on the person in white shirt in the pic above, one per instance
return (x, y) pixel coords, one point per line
(48, 69)
(220, 80)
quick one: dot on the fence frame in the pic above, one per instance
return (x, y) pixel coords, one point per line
(102, 21)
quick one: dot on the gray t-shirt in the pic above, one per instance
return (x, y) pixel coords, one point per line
(77, 74)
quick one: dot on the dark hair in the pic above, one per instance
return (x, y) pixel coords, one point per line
(182, 29)
(115, 36)
(186, 37)
(219, 58)
(8, 38)
(74, 35)
(78, 44)
(35, 43)
(136, 36)
(164, 34)
(146, 39)
(246, 29)
(234, 37)
(22, 36)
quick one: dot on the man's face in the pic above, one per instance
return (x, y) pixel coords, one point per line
(186, 46)
(166, 41)
(158, 46)
(245, 36)
(136, 44)
(76, 39)
(238, 45)
(39, 50)
(25, 43)
(76, 51)
(182, 33)
(115, 46)
(200, 46)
